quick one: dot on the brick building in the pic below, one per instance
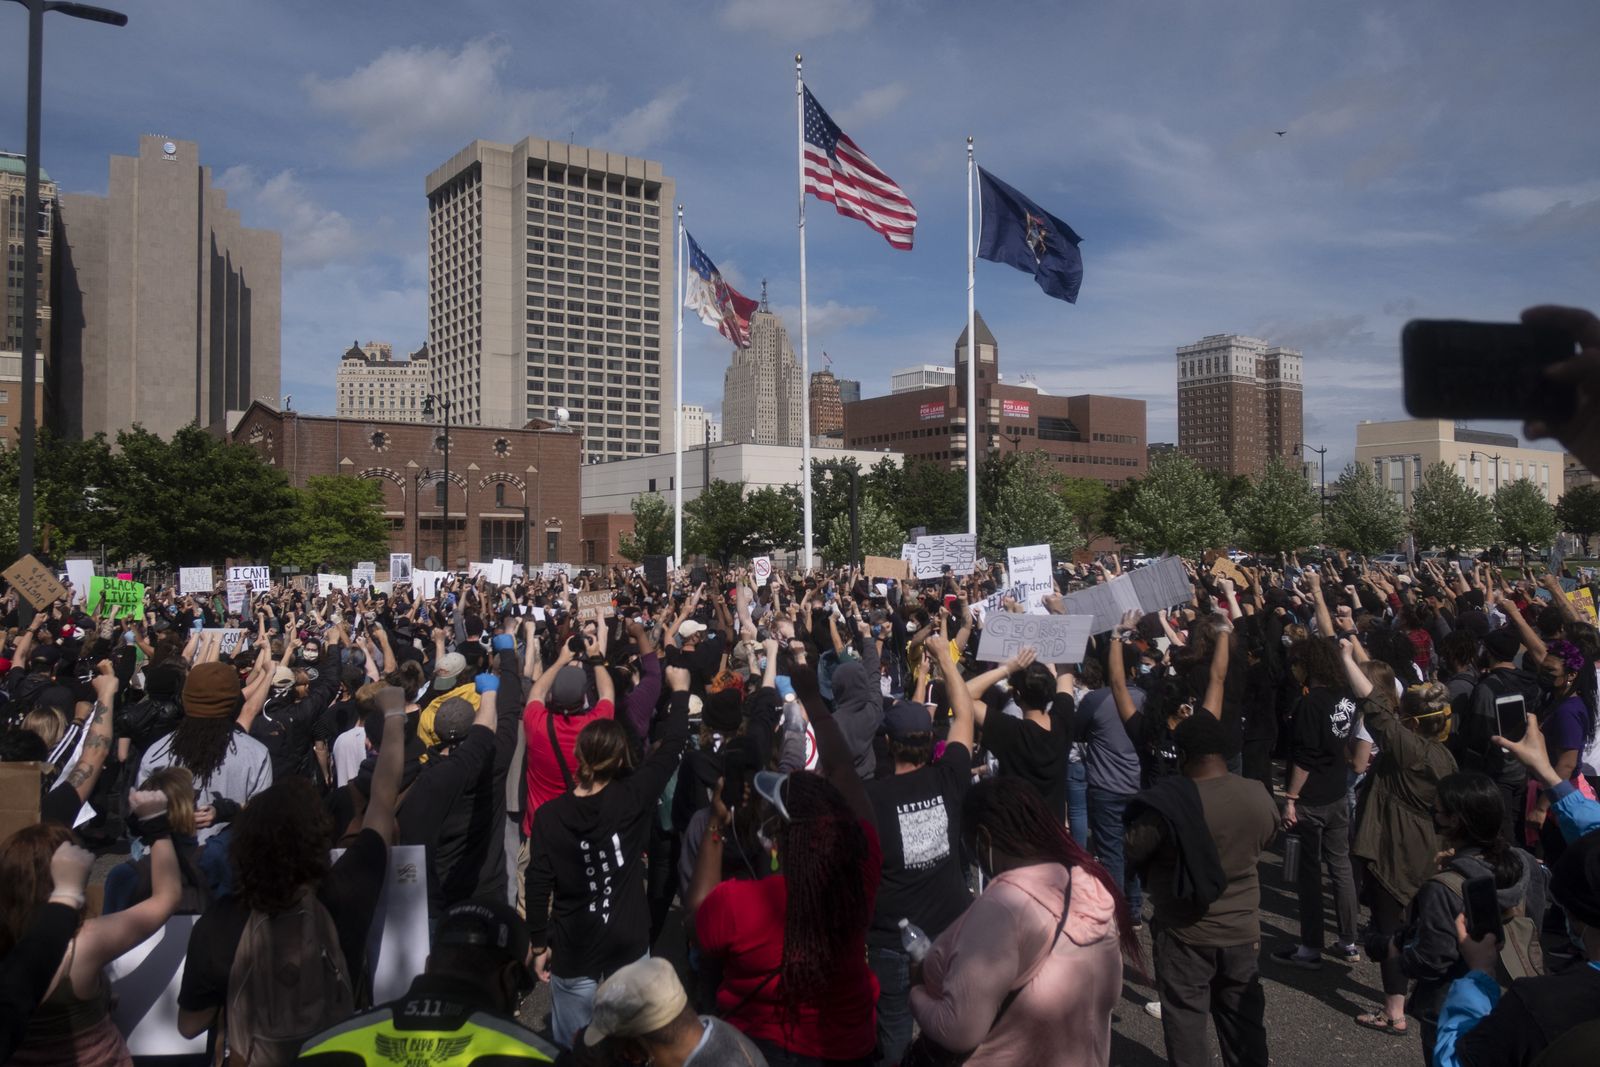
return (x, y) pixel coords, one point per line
(827, 408)
(601, 545)
(1100, 437)
(1239, 403)
(501, 480)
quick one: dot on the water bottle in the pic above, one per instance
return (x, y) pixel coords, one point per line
(792, 719)
(1291, 856)
(914, 941)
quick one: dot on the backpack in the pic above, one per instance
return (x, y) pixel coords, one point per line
(289, 982)
(1521, 955)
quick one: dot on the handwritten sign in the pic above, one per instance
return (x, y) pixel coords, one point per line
(1029, 568)
(127, 597)
(37, 584)
(327, 583)
(595, 604)
(500, 571)
(260, 578)
(933, 553)
(888, 567)
(1154, 588)
(399, 566)
(195, 580)
(238, 592)
(230, 637)
(1223, 567)
(1056, 638)
(761, 568)
(1582, 601)
(426, 583)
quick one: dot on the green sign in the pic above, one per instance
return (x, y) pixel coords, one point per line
(127, 597)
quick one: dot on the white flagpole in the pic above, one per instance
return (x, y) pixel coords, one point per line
(972, 362)
(677, 436)
(805, 350)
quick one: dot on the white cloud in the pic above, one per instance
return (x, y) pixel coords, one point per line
(644, 127)
(1544, 208)
(825, 318)
(408, 96)
(797, 20)
(874, 105)
(313, 236)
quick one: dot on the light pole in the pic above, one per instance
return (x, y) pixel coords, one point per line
(30, 246)
(429, 402)
(1322, 485)
(1495, 458)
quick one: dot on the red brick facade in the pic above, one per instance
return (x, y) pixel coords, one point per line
(498, 479)
(602, 536)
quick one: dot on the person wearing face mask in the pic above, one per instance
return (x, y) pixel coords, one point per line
(1567, 722)
(1551, 1020)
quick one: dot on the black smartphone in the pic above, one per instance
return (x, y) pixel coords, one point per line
(1511, 715)
(1484, 370)
(1482, 908)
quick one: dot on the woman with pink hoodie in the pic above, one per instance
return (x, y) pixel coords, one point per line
(1030, 973)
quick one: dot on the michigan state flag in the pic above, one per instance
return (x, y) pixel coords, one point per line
(1019, 232)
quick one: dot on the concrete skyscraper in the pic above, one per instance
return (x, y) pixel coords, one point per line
(827, 407)
(549, 266)
(372, 384)
(13, 231)
(761, 388)
(166, 308)
(1239, 403)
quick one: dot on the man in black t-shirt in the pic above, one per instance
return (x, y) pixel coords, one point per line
(917, 811)
(1034, 747)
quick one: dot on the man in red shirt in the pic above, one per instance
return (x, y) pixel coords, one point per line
(554, 717)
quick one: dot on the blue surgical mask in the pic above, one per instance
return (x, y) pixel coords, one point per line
(762, 663)
(1144, 668)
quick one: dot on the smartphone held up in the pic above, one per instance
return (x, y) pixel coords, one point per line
(1454, 369)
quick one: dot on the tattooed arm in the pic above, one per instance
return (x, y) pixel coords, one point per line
(97, 746)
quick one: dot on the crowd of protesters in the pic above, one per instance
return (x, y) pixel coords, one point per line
(881, 848)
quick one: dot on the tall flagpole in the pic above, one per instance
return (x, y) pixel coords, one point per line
(677, 436)
(805, 351)
(972, 362)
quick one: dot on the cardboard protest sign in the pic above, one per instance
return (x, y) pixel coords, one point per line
(888, 567)
(1082, 557)
(1582, 601)
(1162, 584)
(1157, 587)
(655, 572)
(595, 604)
(127, 597)
(399, 566)
(195, 580)
(19, 795)
(761, 568)
(144, 986)
(260, 578)
(1056, 638)
(232, 637)
(1029, 568)
(238, 594)
(932, 554)
(35, 582)
(80, 571)
(1223, 567)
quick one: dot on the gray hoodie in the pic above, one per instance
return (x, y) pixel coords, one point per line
(858, 706)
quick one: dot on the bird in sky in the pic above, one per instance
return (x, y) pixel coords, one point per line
(1280, 133)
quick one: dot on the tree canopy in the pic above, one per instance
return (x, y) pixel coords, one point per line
(1447, 513)
(1176, 508)
(1279, 512)
(1363, 516)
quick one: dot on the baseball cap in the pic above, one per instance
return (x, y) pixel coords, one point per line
(484, 924)
(282, 677)
(639, 999)
(449, 669)
(906, 717)
(690, 629)
(569, 687)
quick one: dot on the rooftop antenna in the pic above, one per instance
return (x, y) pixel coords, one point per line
(763, 294)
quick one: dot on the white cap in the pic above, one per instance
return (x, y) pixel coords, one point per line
(639, 999)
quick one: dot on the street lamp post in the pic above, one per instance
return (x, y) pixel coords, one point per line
(429, 402)
(30, 246)
(1322, 484)
(1495, 458)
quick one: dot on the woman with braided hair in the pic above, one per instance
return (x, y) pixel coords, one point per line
(1030, 973)
(793, 947)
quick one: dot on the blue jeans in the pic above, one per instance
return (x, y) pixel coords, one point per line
(893, 969)
(1078, 801)
(572, 1006)
(1105, 822)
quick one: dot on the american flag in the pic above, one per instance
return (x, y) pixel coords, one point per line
(840, 173)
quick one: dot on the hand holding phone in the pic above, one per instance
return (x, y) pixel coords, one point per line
(1484, 370)
(1481, 907)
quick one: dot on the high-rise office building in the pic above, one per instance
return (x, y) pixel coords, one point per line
(922, 376)
(372, 384)
(849, 390)
(1239, 403)
(167, 309)
(696, 426)
(549, 266)
(827, 408)
(761, 388)
(13, 232)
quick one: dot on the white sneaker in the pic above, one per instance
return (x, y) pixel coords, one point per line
(1152, 1008)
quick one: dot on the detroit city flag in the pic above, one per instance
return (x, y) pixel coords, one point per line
(714, 300)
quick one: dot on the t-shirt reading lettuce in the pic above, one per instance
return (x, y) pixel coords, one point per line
(919, 815)
(741, 924)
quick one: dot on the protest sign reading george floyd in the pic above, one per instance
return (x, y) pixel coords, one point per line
(1056, 638)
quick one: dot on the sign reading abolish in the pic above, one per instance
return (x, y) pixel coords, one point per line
(127, 597)
(595, 604)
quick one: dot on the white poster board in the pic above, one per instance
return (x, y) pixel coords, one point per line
(327, 583)
(1029, 569)
(194, 580)
(426, 583)
(397, 946)
(260, 578)
(1159, 586)
(500, 571)
(144, 986)
(932, 554)
(1056, 638)
(399, 566)
(761, 568)
(232, 638)
(479, 570)
(80, 571)
(364, 574)
(238, 593)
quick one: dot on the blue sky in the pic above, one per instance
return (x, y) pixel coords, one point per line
(1441, 161)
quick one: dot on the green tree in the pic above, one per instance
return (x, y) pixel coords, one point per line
(1279, 513)
(1176, 508)
(1447, 513)
(1363, 516)
(881, 533)
(1232, 491)
(1523, 516)
(1023, 506)
(931, 495)
(772, 519)
(1086, 500)
(652, 529)
(70, 481)
(1118, 501)
(338, 523)
(1578, 512)
(716, 522)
